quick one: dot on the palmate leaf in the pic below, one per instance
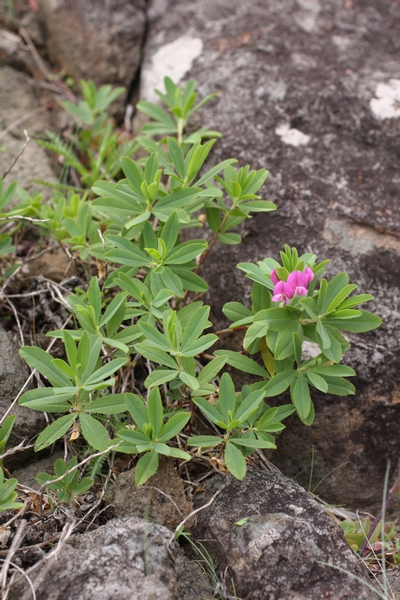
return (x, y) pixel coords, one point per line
(242, 363)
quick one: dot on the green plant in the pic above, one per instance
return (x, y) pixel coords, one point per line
(148, 311)
(68, 487)
(8, 495)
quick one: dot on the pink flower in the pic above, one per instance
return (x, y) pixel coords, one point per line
(299, 282)
(283, 291)
(309, 273)
(274, 277)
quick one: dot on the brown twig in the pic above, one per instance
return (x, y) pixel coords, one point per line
(13, 548)
(27, 140)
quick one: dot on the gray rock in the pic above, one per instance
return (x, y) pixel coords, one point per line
(99, 40)
(309, 91)
(126, 559)
(161, 499)
(13, 375)
(19, 110)
(279, 550)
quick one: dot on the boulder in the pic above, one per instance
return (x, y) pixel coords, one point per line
(310, 91)
(99, 40)
(128, 559)
(276, 542)
(21, 109)
(161, 499)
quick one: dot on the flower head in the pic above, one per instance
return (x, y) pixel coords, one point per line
(299, 282)
(283, 291)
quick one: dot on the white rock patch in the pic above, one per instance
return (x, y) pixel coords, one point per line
(386, 105)
(292, 137)
(173, 60)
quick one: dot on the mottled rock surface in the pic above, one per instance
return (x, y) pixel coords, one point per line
(278, 551)
(310, 91)
(20, 109)
(160, 500)
(128, 559)
(95, 39)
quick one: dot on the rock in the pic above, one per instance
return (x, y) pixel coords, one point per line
(128, 559)
(160, 500)
(305, 90)
(99, 40)
(13, 376)
(19, 110)
(278, 551)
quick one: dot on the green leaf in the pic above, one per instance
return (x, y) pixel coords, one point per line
(279, 383)
(155, 410)
(235, 461)
(258, 206)
(235, 311)
(210, 411)
(189, 380)
(243, 363)
(277, 319)
(112, 404)
(155, 355)
(229, 238)
(195, 326)
(365, 322)
(105, 371)
(186, 252)
(301, 396)
(323, 338)
(211, 370)
(173, 426)
(339, 386)
(204, 441)
(54, 431)
(334, 370)
(146, 467)
(190, 281)
(46, 400)
(252, 443)
(137, 409)
(160, 376)
(94, 432)
(200, 345)
(317, 381)
(177, 157)
(155, 338)
(42, 362)
(249, 405)
(227, 397)
(260, 297)
(94, 296)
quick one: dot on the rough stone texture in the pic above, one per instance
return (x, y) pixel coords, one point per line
(160, 500)
(128, 559)
(18, 101)
(13, 375)
(277, 553)
(285, 70)
(95, 39)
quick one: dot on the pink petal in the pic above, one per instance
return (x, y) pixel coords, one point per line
(297, 279)
(309, 274)
(274, 277)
